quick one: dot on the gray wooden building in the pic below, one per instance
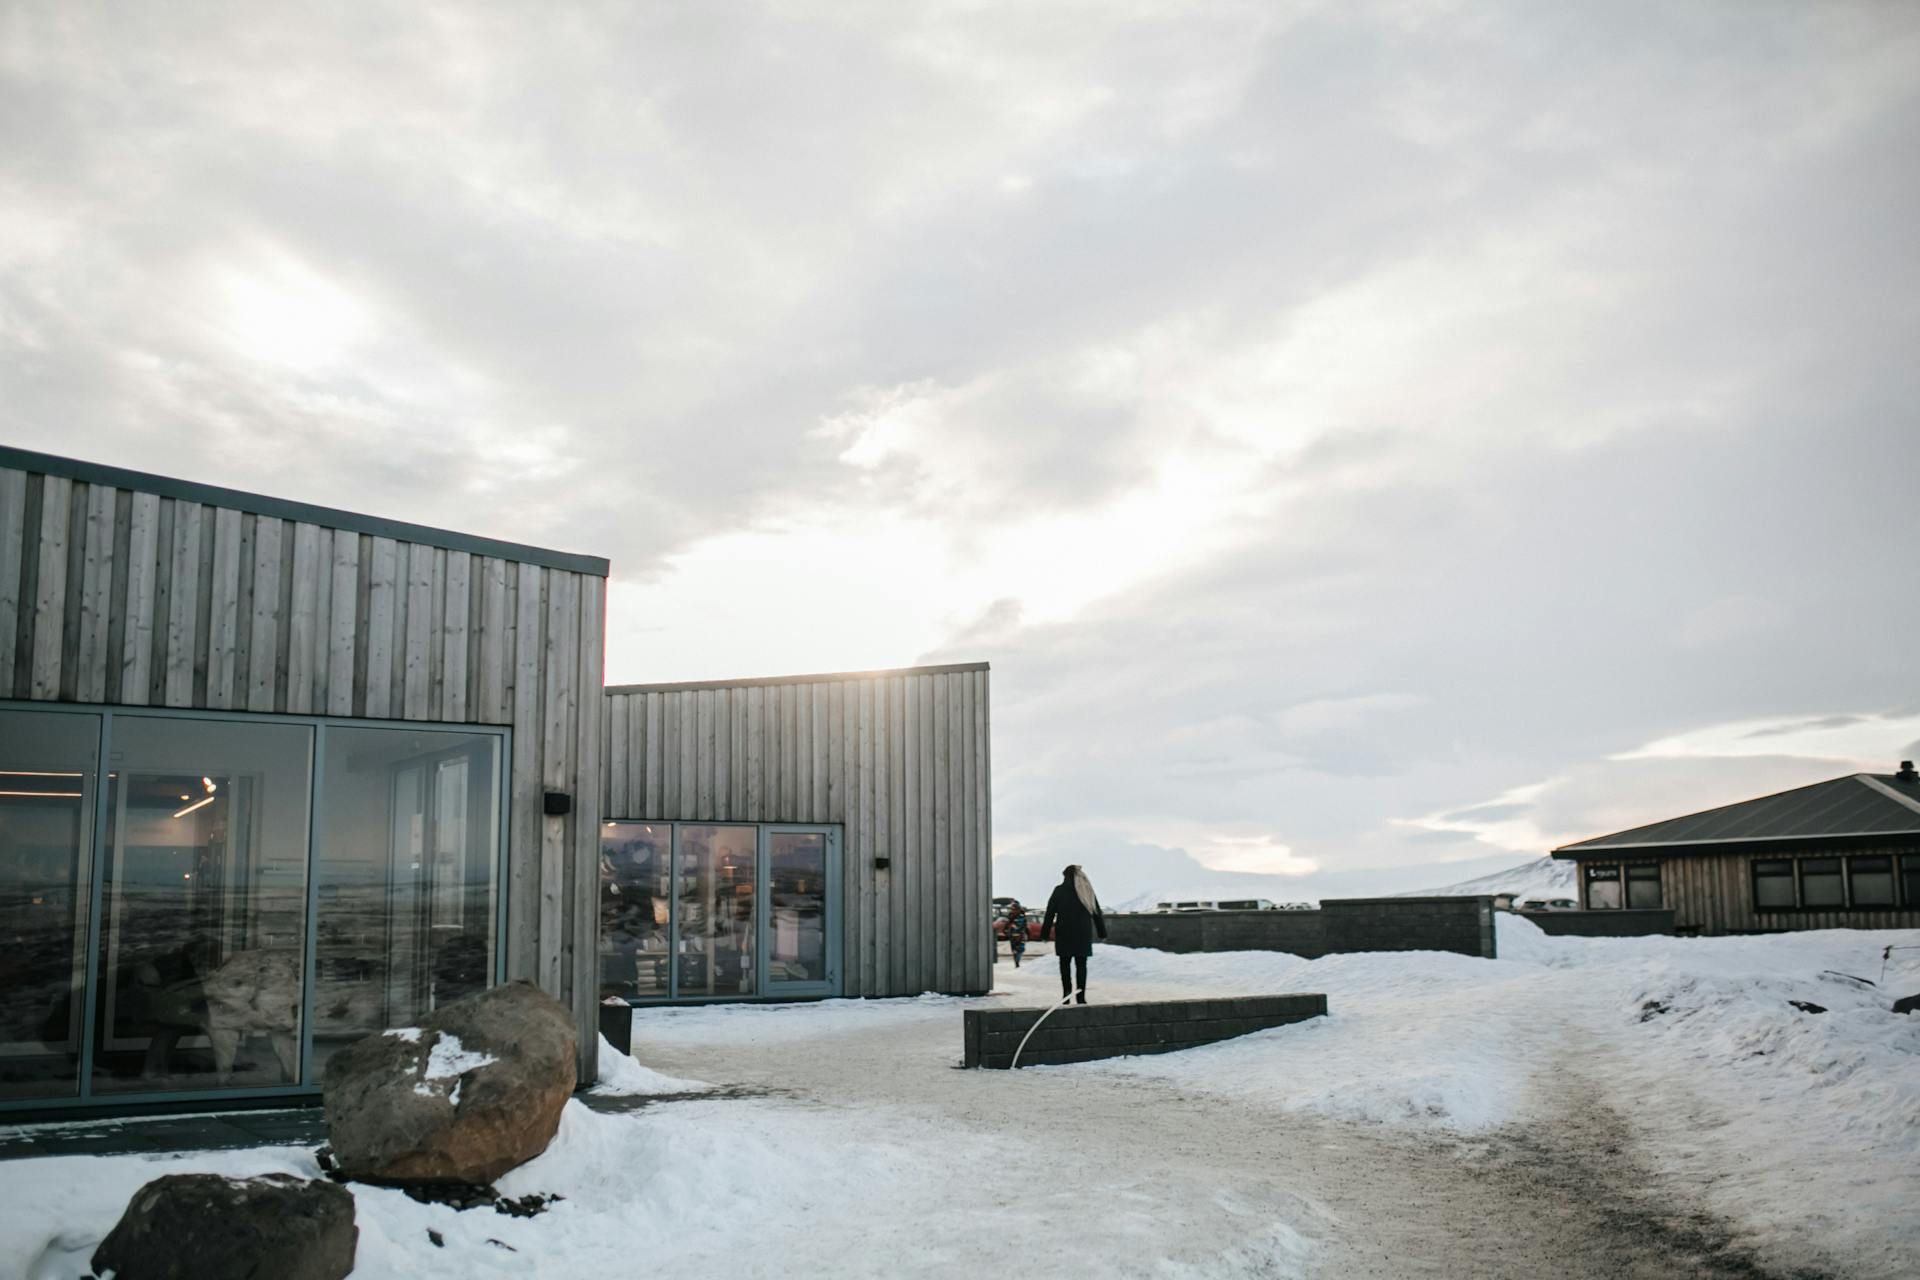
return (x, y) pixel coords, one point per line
(1839, 854)
(868, 798)
(273, 776)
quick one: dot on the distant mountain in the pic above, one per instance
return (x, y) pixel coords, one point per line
(1193, 882)
(1535, 878)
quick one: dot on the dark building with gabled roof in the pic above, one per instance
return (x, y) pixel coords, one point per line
(1840, 854)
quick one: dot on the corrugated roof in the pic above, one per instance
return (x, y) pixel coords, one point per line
(1860, 804)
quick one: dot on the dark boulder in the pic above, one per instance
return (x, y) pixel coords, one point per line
(200, 1226)
(475, 1090)
(1907, 1004)
(1807, 1006)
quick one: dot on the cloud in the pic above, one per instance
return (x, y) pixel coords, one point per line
(1319, 415)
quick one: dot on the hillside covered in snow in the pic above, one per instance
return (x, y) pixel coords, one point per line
(1536, 878)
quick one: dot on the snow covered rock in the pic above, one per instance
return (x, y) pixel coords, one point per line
(201, 1226)
(1907, 1004)
(473, 1091)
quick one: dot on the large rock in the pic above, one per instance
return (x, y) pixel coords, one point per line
(200, 1226)
(473, 1091)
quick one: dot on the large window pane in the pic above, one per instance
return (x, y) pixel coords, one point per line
(1773, 885)
(1871, 880)
(634, 901)
(47, 771)
(1820, 883)
(1603, 888)
(717, 920)
(797, 947)
(405, 878)
(204, 903)
(1910, 880)
(1643, 887)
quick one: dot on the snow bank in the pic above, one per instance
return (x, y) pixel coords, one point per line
(619, 1074)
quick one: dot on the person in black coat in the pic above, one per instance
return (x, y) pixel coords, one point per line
(1073, 917)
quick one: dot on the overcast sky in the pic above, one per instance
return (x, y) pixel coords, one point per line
(1358, 435)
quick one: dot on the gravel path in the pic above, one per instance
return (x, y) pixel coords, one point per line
(1082, 1174)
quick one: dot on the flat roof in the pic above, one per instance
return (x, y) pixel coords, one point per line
(283, 509)
(818, 678)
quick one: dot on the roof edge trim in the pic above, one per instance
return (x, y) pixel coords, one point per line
(1582, 850)
(1891, 793)
(288, 509)
(829, 677)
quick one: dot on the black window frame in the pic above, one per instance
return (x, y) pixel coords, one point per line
(1589, 877)
(1839, 873)
(1893, 887)
(1791, 875)
(1642, 872)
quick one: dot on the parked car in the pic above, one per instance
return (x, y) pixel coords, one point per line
(1033, 927)
(1299, 906)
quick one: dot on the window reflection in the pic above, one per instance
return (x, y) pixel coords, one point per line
(47, 770)
(717, 923)
(404, 878)
(797, 950)
(204, 902)
(634, 902)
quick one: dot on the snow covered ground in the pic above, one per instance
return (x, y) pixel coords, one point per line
(1577, 1107)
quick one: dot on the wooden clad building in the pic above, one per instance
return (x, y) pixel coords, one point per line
(878, 781)
(265, 753)
(1840, 854)
(274, 777)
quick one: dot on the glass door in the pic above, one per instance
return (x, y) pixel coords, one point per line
(716, 936)
(201, 958)
(718, 911)
(48, 765)
(802, 867)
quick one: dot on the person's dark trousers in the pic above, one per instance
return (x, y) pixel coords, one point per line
(1072, 967)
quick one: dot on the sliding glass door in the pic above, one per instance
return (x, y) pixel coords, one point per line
(48, 785)
(199, 905)
(717, 911)
(201, 962)
(406, 907)
(799, 871)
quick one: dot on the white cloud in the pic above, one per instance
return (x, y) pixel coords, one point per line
(1867, 741)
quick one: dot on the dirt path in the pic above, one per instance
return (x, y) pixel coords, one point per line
(1160, 1182)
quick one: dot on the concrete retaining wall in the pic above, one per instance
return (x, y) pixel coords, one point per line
(1463, 925)
(1459, 924)
(1083, 1032)
(1301, 933)
(1601, 924)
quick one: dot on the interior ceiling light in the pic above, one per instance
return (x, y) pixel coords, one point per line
(64, 795)
(34, 773)
(208, 783)
(197, 804)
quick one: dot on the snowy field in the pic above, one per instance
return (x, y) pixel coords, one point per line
(1577, 1107)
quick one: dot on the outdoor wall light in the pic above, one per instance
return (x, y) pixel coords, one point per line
(881, 864)
(558, 804)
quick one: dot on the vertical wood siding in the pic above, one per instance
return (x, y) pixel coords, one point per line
(899, 760)
(1713, 892)
(111, 595)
